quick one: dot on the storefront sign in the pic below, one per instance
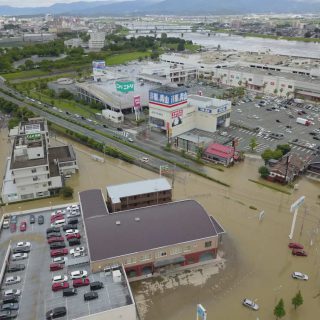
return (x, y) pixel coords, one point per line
(203, 109)
(137, 102)
(33, 136)
(222, 109)
(125, 86)
(99, 64)
(177, 113)
(168, 98)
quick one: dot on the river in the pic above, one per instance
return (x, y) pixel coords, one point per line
(255, 260)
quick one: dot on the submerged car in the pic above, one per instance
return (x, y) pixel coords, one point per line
(250, 304)
(299, 276)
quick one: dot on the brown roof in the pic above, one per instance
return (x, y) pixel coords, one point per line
(137, 230)
(63, 153)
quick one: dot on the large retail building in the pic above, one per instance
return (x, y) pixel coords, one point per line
(148, 240)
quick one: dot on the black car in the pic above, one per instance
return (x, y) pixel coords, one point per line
(69, 292)
(12, 299)
(40, 219)
(316, 137)
(73, 221)
(96, 285)
(53, 234)
(8, 314)
(278, 121)
(119, 129)
(69, 226)
(74, 242)
(56, 313)
(10, 306)
(105, 126)
(53, 229)
(57, 245)
(312, 133)
(90, 296)
(32, 219)
(16, 267)
(21, 250)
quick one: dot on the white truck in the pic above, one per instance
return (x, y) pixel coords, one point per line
(303, 121)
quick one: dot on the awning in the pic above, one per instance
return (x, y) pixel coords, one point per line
(166, 262)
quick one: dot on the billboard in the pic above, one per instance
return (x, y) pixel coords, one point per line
(168, 98)
(176, 117)
(98, 65)
(125, 86)
(137, 102)
(33, 136)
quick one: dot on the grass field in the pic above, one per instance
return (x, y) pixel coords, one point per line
(125, 57)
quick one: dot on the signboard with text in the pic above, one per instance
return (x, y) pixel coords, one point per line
(125, 86)
(168, 99)
(137, 102)
(33, 136)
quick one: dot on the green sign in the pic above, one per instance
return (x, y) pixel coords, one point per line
(125, 86)
(33, 136)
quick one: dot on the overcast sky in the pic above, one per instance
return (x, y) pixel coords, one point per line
(43, 3)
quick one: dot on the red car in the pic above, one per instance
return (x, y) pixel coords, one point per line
(299, 252)
(81, 282)
(56, 266)
(13, 227)
(60, 286)
(295, 245)
(55, 239)
(56, 217)
(59, 252)
(23, 226)
(73, 236)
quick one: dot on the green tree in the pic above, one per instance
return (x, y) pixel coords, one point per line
(266, 155)
(285, 148)
(297, 300)
(279, 311)
(65, 94)
(66, 192)
(253, 144)
(264, 172)
(277, 154)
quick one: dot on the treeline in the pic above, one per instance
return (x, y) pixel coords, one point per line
(17, 113)
(10, 55)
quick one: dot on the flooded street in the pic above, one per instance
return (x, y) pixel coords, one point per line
(255, 261)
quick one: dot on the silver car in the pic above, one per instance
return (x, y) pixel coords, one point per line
(12, 293)
(250, 304)
(19, 256)
(12, 280)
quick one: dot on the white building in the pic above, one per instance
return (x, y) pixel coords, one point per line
(116, 117)
(35, 170)
(97, 39)
(172, 111)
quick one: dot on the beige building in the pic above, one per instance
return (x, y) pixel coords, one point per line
(138, 194)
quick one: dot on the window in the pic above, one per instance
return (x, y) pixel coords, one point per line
(34, 170)
(161, 254)
(289, 86)
(146, 257)
(176, 250)
(187, 248)
(208, 244)
(131, 260)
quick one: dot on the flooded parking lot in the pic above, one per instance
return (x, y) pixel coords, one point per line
(257, 263)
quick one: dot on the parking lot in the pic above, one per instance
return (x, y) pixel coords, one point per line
(37, 296)
(277, 118)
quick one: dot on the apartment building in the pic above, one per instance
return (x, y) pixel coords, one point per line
(97, 39)
(150, 240)
(34, 169)
(138, 194)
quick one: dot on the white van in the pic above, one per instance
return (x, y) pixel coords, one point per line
(58, 223)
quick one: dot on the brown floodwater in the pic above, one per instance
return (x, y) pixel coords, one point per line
(258, 263)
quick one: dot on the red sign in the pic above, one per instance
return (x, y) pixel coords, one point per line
(177, 113)
(137, 102)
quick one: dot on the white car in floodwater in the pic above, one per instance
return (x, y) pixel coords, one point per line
(250, 304)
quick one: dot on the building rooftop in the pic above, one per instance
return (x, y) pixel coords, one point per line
(169, 89)
(136, 230)
(220, 150)
(139, 187)
(62, 154)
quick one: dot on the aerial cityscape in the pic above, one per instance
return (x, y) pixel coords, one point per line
(160, 159)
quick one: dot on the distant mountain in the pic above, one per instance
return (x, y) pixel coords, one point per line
(176, 7)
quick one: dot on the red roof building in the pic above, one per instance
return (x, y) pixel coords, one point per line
(219, 153)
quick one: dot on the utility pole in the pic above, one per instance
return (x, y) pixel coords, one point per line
(173, 175)
(304, 216)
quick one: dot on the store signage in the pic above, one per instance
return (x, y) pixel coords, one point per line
(222, 109)
(33, 136)
(203, 109)
(125, 86)
(99, 64)
(137, 102)
(168, 98)
(177, 113)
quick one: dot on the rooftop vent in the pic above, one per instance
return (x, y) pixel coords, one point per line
(137, 219)
(118, 222)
